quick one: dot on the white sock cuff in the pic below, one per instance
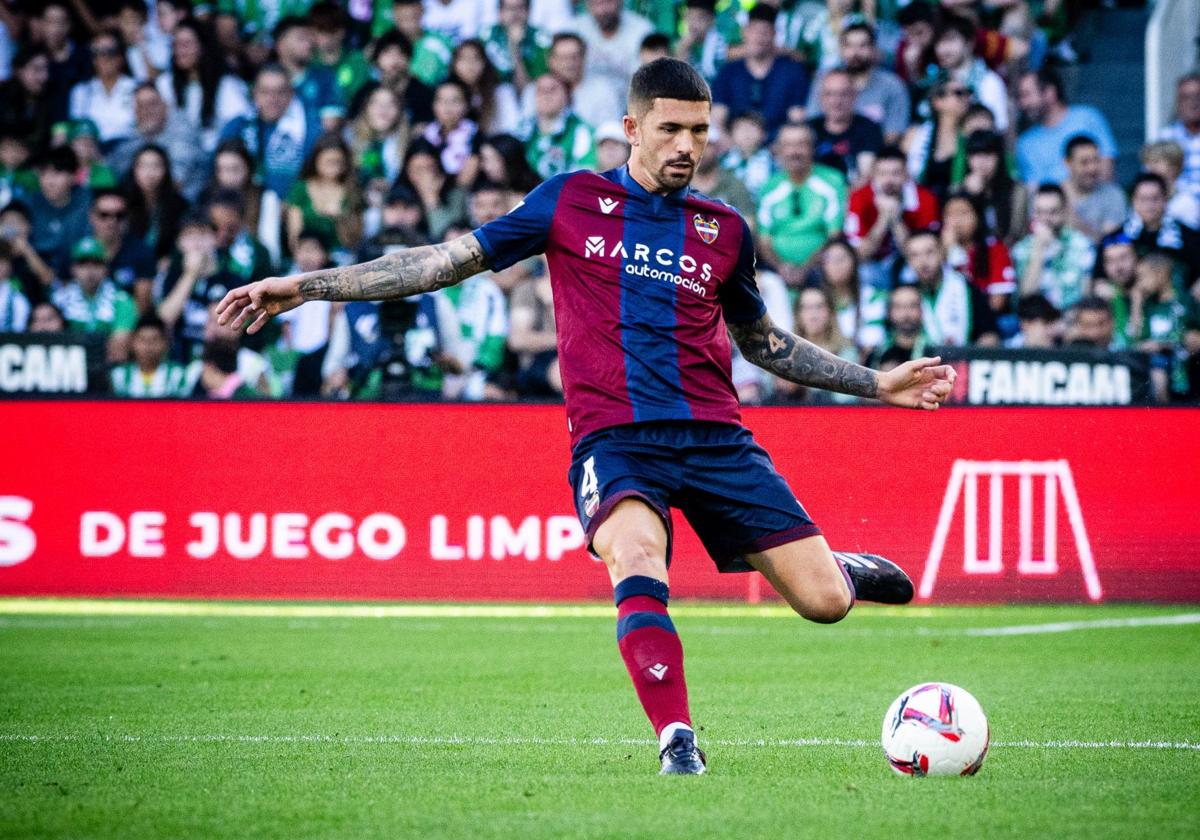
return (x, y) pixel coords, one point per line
(669, 731)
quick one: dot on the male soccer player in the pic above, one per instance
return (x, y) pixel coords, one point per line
(647, 277)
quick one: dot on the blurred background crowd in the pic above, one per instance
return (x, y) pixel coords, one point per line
(917, 174)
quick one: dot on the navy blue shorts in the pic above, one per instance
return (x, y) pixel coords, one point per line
(722, 481)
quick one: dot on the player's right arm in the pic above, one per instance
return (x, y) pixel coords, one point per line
(404, 273)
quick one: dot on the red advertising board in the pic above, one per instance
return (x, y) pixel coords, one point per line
(456, 502)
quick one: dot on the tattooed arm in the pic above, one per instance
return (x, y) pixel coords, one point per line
(404, 273)
(921, 383)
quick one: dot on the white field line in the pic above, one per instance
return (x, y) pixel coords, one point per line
(1094, 624)
(474, 741)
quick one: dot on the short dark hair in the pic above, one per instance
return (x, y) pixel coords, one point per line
(666, 78)
(392, 38)
(287, 24)
(310, 234)
(959, 25)
(891, 153)
(151, 321)
(227, 197)
(1048, 77)
(859, 26)
(656, 41)
(1078, 141)
(1149, 178)
(916, 12)
(568, 36)
(1093, 304)
(327, 16)
(108, 192)
(930, 232)
(19, 207)
(1037, 307)
(59, 158)
(1050, 188)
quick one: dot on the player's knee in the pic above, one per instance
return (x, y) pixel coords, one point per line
(637, 554)
(825, 606)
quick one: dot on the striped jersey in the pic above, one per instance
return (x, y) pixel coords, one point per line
(643, 286)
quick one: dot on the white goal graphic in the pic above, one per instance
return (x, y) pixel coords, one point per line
(964, 483)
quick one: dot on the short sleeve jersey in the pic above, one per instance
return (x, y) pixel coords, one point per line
(643, 287)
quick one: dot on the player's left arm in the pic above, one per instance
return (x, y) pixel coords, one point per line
(920, 383)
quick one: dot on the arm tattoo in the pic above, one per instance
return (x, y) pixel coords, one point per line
(404, 273)
(801, 361)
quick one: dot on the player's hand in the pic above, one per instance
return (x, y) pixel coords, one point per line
(257, 303)
(921, 383)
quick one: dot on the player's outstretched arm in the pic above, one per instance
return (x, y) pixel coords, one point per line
(921, 383)
(404, 273)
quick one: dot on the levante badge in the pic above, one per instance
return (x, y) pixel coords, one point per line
(707, 228)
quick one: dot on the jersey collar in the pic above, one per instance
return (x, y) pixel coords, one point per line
(630, 183)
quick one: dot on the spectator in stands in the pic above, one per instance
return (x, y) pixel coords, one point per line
(493, 103)
(83, 138)
(315, 85)
(1092, 326)
(532, 338)
(192, 283)
(1040, 322)
(1041, 147)
(219, 377)
(58, 210)
(92, 303)
(556, 140)
(933, 145)
(305, 330)
(70, 62)
(885, 211)
(612, 147)
(811, 30)
(348, 67)
(1165, 159)
(748, 157)
(458, 20)
(516, 48)
(378, 137)
(502, 160)
(613, 35)
(131, 264)
(14, 306)
(1186, 129)
(1055, 259)
(30, 270)
(149, 374)
(954, 49)
(816, 321)
(239, 252)
(326, 198)
(714, 181)
(1151, 229)
(591, 99)
(906, 338)
(483, 322)
(800, 208)
(955, 313)
(452, 132)
(401, 212)
(46, 318)
(430, 49)
(233, 169)
(860, 307)
(1160, 321)
(974, 252)
(702, 44)
(278, 134)
(1097, 205)
(145, 55)
(654, 46)
(879, 95)
(391, 60)
(764, 81)
(918, 25)
(106, 98)
(1115, 274)
(25, 100)
(845, 140)
(155, 205)
(197, 88)
(1005, 201)
(155, 125)
(441, 198)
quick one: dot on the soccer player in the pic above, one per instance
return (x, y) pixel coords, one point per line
(649, 280)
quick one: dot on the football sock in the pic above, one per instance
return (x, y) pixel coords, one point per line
(652, 652)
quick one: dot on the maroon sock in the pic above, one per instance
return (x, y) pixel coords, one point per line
(651, 650)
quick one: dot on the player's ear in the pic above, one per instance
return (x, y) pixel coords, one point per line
(630, 124)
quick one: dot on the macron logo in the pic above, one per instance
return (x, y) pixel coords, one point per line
(659, 671)
(594, 246)
(607, 205)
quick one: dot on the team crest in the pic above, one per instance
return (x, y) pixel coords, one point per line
(707, 228)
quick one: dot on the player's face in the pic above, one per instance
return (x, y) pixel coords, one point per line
(668, 141)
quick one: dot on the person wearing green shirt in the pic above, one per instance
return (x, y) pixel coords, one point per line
(556, 140)
(431, 51)
(150, 374)
(94, 173)
(350, 69)
(258, 17)
(516, 49)
(92, 302)
(800, 208)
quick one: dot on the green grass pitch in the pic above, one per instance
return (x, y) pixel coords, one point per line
(460, 724)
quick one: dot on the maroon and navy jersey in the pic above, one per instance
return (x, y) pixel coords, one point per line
(643, 287)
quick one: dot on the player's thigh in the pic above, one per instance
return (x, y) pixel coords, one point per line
(633, 540)
(806, 574)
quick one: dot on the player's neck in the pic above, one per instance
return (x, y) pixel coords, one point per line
(643, 179)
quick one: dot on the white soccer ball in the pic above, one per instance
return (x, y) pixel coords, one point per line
(935, 729)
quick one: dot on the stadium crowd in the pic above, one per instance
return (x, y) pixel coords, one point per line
(916, 175)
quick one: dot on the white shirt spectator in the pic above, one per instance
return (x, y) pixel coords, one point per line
(14, 307)
(1184, 207)
(459, 19)
(551, 15)
(112, 111)
(989, 90)
(232, 101)
(1190, 143)
(613, 59)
